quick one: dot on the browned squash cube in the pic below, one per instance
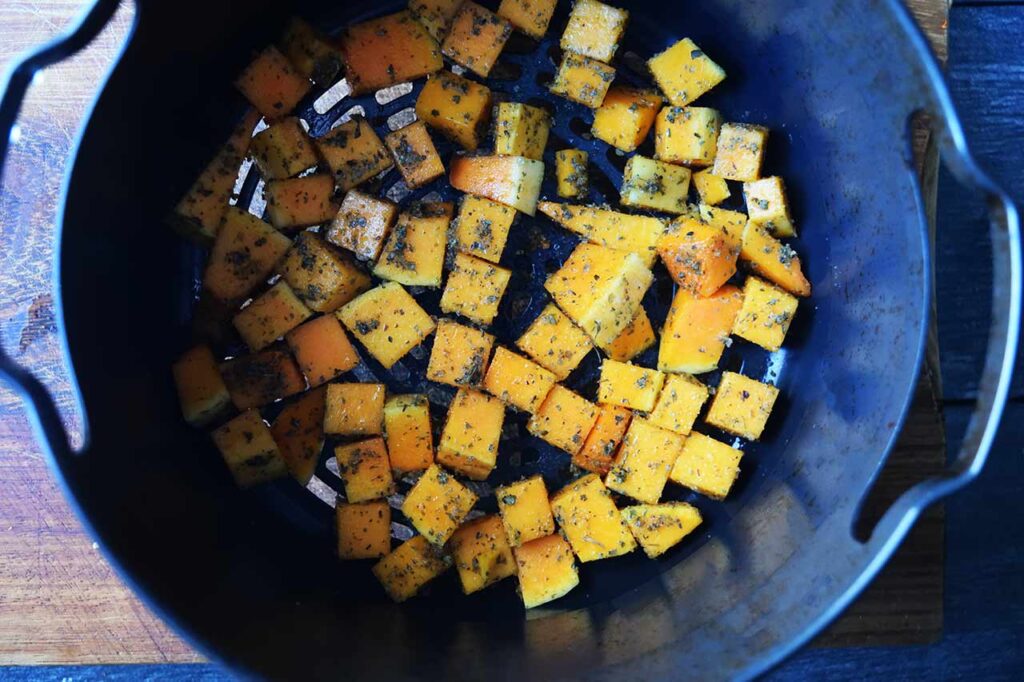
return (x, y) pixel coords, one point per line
(546, 570)
(201, 392)
(456, 107)
(283, 150)
(476, 38)
(300, 202)
(409, 436)
(600, 447)
(437, 504)
(245, 253)
(469, 441)
(435, 15)
(482, 226)
(564, 419)
(272, 84)
(460, 354)
(362, 224)
(321, 277)
(582, 80)
(587, 515)
(388, 322)
(270, 316)
(311, 52)
(481, 553)
(474, 289)
(554, 342)
(412, 565)
(392, 49)
(517, 381)
(249, 450)
(322, 349)
(644, 461)
(260, 379)
(414, 252)
(529, 16)
(354, 409)
(365, 470)
(525, 510)
(354, 152)
(594, 29)
(415, 154)
(298, 431)
(364, 530)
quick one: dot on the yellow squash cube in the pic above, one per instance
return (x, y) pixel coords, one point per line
(599, 448)
(521, 130)
(460, 354)
(437, 504)
(283, 150)
(435, 15)
(687, 135)
(594, 29)
(271, 84)
(730, 223)
(481, 553)
(354, 152)
(298, 431)
(684, 72)
(571, 173)
(620, 231)
(766, 314)
(270, 316)
(414, 154)
(741, 405)
(481, 227)
(588, 517)
(391, 49)
(365, 470)
(407, 430)
(582, 80)
(362, 224)
(469, 440)
(261, 378)
(517, 381)
(364, 530)
(707, 466)
(300, 202)
(244, 254)
(311, 52)
(476, 38)
(412, 565)
(249, 450)
(626, 116)
(774, 260)
(354, 409)
(740, 151)
(414, 252)
(388, 322)
(655, 185)
(679, 403)
(768, 207)
(564, 419)
(511, 180)
(474, 289)
(456, 107)
(644, 461)
(546, 570)
(699, 256)
(529, 16)
(697, 330)
(322, 349)
(637, 337)
(628, 385)
(659, 527)
(554, 342)
(712, 189)
(321, 277)
(525, 510)
(201, 390)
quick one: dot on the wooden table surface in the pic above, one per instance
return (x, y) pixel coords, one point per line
(60, 603)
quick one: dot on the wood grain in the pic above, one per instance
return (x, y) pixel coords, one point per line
(60, 602)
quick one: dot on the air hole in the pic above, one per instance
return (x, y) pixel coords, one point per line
(332, 96)
(636, 64)
(541, 104)
(390, 94)
(580, 127)
(543, 79)
(506, 71)
(554, 54)
(357, 110)
(617, 158)
(604, 186)
(551, 265)
(530, 455)
(520, 43)
(402, 118)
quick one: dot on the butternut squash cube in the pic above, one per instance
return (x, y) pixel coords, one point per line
(546, 570)
(321, 277)
(594, 29)
(392, 49)
(740, 151)
(469, 440)
(354, 153)
(529, 16)
(766, 314)
(571, 174)
(474, 289)
(322, 349)
(460, 354)
(637, 337)
(655, 185)
(283, 150)
(261, 378)
(620, 231)
(659, 527)
(270, 316)
(679, 403)
(707, 466)
(700, 257)
(564, 419)
(517, 381)
(271, 84)
(437, 504)
(300, 202)
(773, 260)
(521, 130)
(481, 554)
(476, 38)
(555, 343)
(311, 52)
(697, 329)
(435, 15)
(298, 431)
(364, 468)
(408, 568)
(245, 253)
(482, 227)
(525, 510)
(732, 223)
(588, 518)
(741, 405)
(582, 80)
(768, 207)
(354, 409)
(249, 450)
(684, 72)
(364, 530)
(414, 252)
(409, 437)
(415, 154)
(711, 189)
(362, 224)
(201, 391)
(599, 448)
(687, 135)
(644, 461)
(456, 107)
(511, 180)
(626, 116)
(388, 322)
(629, 385)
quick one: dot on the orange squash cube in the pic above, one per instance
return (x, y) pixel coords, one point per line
(481, 554)
(625, 116)
(261, 378)
(414, 154)
(474, 289)
(564, 419)
(637, 337)
(322, 349)
(582, 80)
(414, 252)
(298, 431)
(629, 385)
(587, 516)
(354, 152)
(740, 151)
(407, 429)
(614, 230)
(741, 405)
(732, 223)
(322, 278)
(766, 314)
(521, 130)
(659, 527)
(245, 253)
(645, 460)
(201, 391)
(460, 354)
(602, 442)
(354, 409)
(469, 441)
(437, 505)
(311, 52)
(270, 316)
(684, 72)
(283, 150)
(594, 29)
(773, 260)
(362, 224)
(476, 38)
(249, 450)
(364, 469)
(712, 189)
(768, 206)
(679, 403)
(687, 135)
(388, 322)
(300, 202)
(435, 15)
(482, 226)
(655, 185)
(546, 570)
(555, 342)
(525, 510)
(572, 174)
(700, 257)
(511, 180)
(707, 466)
(529, 16)
(271, 84)
(456, 107)
(392, 49)
(517, 381)
(697, 330)
(364, 530)
(408, 568)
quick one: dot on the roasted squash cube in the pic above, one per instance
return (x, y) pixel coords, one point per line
(684, 72)
(741, 405)
(354, 152)
(311, 52)
(629, 385)
(529, 16)
(637, 337)
(582, 80)
(731, 223)
(354, 409)
(409, 437)
(679, 403)
(521, 130)
(711, 189)
(456, 107)
(415, 154)
(364, 530)
(626, 116)
(388, 322)
(298, 431)
(697, 329)
(655, 185)
(261, 378)
(554, 342)
(437, 504)
(571, 173)
(270, 316)
(249, 450)
(300, 202)
(460, 354)
(687, 135)
(620, 231)
(244, 254)
(201, 391)
(414, 252)
(271, 84)
(766, 314)
(469, 440)
(773, 260)
(699, 256)
(588, 517)
(740, 151)
(474, 289)
(476, 38)
(768, 207)
(392, 49)
(546, 570)
(362, 224)
(659, 527)
(564, 419)
(482, 227)
(525, 510)
(481, 554)
(594, 29)
(517, 381)
(707, 466)
(644, 461)
(283, 150)
(412, 565)
(364, 468)
(599, 448)
(322, 278)
(435, 15)
(511, 180)
(322, 349)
